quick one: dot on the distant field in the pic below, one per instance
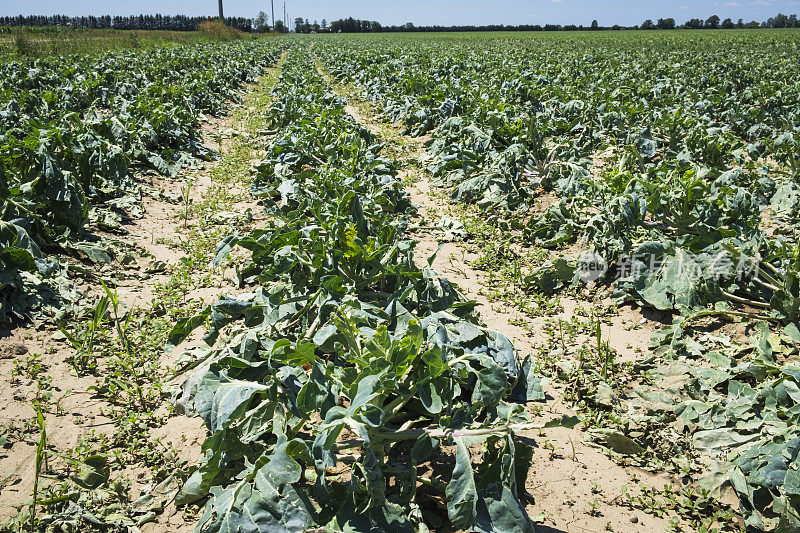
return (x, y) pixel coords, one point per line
(39, 42)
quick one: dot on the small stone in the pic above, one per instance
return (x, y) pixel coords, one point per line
(19, 349)
(634, 520)
(13, 350)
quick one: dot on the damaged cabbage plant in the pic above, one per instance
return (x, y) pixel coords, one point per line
(74, 132)
(641, 179)
(677, 238)
(489, 102)
(742, 415)
(351, 389)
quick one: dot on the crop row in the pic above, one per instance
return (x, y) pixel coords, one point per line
(350, 389)
(74, 131)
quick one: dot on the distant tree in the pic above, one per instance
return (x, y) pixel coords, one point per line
(351, 25)
(299, 25)
(315, 27)
(666, 24)
(752, 24)
(324, 24)
(261, 22)
(648, 25)
(595, 25)
(778, 21)
(740, 24)
(712, 22)
(133, 22)
(694, 24)
(728, 24)
(616, 27)
(280, 27)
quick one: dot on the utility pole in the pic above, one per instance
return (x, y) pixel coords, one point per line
(285, 22)
(221, 15)
(272, 3)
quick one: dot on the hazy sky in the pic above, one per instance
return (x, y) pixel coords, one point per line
(425, 12)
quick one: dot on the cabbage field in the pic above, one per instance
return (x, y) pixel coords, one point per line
(401, 282)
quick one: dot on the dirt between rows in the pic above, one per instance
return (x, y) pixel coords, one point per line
(80, 412)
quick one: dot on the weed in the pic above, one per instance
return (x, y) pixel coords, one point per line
(30, 367)
(594, 508)
(187, 199)
(692, 509)
(41, 462)
(24, 45)
(136, 41)
(83, 362)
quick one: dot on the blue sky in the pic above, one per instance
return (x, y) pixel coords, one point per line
(425, 12)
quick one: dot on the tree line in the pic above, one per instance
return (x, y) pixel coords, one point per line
(351, 25)
(713, 22)
(133, 22)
